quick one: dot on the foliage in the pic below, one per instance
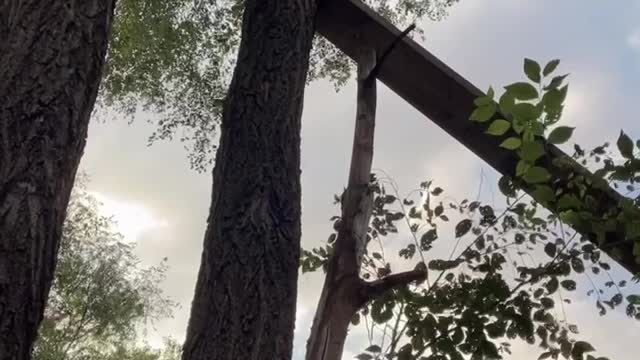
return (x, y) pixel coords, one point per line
(533, 108)
(174, 57)
(170, 351)
(511, 272)
(100, 295)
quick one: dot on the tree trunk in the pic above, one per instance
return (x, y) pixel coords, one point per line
(51, 58)
(245, 298)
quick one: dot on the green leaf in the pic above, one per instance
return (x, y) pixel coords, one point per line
(498, 127)
(625, 145)
(536, 175)
(544, 193)
(522, 167)
(463, 227)
(483, 113)
(531, 150)
(522, 91)
(560, 135)
(482, 101)
(550, 67)
(532, 70)
(486, 99)
(537, 128)
(556, 82)
(511, 143)
(507, 101)
(569, 201)
(519, 125)
(633, 299)
(570, 217)
(526, 111)
(552, 101)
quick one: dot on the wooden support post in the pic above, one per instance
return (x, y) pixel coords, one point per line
(443, 96)
(344, 292)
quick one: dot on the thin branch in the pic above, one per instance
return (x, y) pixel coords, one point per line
(378, 287)
(396, 335)
(441, 274)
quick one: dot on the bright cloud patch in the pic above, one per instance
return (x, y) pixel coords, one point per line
(132, 219)
(633, 40)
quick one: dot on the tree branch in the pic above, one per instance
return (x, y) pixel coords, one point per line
(379, 287)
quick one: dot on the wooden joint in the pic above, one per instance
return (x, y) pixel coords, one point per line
(376, 70)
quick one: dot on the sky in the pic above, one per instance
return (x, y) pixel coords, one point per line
(162, 205)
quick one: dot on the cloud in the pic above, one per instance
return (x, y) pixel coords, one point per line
(633, 39)
(131, 219)
(483, 41)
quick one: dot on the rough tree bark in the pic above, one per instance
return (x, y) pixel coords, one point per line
(245, 298)
(51, 58)
(344, 292)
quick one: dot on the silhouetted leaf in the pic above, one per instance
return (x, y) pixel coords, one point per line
(550, 67)
(560, 135)
(625, 145)
(364, 356)
(463, 227)
(532, 70)
(373, 349)
(568, 284)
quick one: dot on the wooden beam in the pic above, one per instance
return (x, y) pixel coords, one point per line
(438, 92)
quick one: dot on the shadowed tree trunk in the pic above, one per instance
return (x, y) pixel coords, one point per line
(51, 58)
(245, 298)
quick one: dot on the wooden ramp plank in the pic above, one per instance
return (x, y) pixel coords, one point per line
(435, 90)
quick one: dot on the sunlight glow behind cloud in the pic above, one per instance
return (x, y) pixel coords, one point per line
(633, 40)
(132, 219)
